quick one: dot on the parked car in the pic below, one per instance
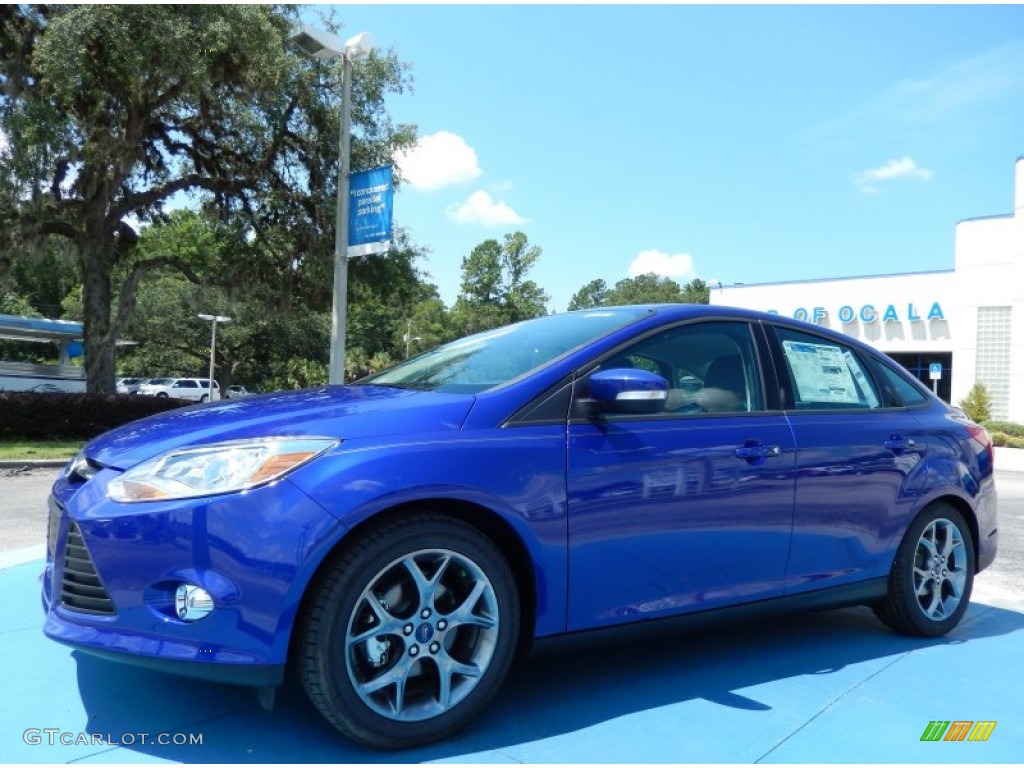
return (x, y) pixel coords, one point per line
(129, 386)
(184, 389)
(400, 540)
(237, 390)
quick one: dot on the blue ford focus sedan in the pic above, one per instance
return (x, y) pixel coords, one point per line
(397, 542)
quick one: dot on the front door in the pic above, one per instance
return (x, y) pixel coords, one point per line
(687, 509)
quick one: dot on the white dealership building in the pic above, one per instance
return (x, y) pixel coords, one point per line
(964, 325)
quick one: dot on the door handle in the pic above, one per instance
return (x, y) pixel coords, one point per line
(897, 444)
(757, 451)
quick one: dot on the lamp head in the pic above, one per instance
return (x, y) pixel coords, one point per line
(316, 42)
(360, 45)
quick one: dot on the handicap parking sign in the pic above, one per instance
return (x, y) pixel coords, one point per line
(935, 371)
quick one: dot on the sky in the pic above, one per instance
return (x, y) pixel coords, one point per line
(741, 144)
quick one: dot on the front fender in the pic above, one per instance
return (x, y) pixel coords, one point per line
(515, 474)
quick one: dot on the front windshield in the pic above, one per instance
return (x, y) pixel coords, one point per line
(493, 358)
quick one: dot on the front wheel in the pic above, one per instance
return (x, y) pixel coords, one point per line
(932, 576)
(410, 631)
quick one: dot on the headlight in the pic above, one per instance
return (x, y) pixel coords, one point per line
(212, 469)
(79, 468)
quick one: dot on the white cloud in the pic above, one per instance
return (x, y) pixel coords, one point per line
(437, 161)
(903, 168)
(481, 208)
(4, 143)
(674, 265)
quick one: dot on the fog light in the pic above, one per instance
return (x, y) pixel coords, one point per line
(192, 603)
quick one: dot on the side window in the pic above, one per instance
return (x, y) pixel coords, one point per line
(898, 388)
(825, 374)
(711, 367)
(186, 384)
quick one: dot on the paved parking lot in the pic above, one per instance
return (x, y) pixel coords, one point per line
(822, 688)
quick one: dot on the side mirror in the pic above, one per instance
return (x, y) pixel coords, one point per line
(629, 390)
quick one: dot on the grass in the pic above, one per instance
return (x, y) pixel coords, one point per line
(14, 449)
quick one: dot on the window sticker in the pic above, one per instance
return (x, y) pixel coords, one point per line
(866, 389)
(821, 373)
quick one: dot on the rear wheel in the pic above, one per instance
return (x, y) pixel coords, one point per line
(932, 576)
(204, 398)
(410, 632)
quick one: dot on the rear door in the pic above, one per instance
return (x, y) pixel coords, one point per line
(687, 509)
(856, 448)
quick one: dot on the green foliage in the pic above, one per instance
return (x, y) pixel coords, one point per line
(977, 405)
(117, 108)
(642, 289)
(1010, 428)
(1006, 434)
(495, 290)
(300, 373)
(14, 304)
(46, 275)
(1002, 440)
(696, 292)
(593, 294)
(645, 289)
(22, 449)
(427, 327)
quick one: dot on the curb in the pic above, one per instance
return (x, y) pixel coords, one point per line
(33, 463)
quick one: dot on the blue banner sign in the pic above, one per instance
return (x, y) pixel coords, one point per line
(370, 205)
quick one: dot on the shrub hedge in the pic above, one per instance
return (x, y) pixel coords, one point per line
(1002, 440)
(74, 416)
(1006, 427)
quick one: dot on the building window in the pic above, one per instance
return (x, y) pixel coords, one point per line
(993, 363)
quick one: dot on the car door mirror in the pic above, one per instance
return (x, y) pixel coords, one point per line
(629, 390)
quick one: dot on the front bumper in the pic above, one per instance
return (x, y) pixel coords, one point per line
(112, 571)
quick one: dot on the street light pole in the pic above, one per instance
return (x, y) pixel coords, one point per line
(339, 309)
(213, 344)
(324, 45)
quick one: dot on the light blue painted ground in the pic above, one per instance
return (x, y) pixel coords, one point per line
(824, 688)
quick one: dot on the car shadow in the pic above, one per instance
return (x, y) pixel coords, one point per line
(545, 696)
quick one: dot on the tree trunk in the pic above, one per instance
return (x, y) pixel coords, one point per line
(96, 298)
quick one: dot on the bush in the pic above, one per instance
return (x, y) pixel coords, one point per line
(1002, 440)
(1006, 427)
(73, 416)
(977, 405)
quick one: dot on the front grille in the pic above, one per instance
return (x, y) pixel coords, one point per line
(81, 588)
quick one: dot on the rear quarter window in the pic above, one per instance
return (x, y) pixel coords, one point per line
(897, 388)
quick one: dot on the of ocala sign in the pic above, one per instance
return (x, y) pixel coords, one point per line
(869, 313)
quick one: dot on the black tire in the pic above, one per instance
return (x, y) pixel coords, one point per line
(461, 616)
(162, 394)
(204, 398)
(932, 575)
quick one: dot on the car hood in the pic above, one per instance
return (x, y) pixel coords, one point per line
(347, 413)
